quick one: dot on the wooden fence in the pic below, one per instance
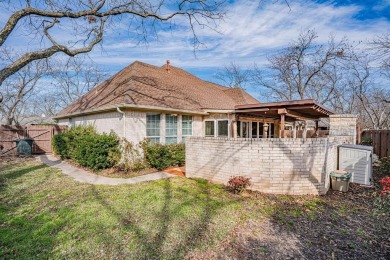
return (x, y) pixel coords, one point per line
(379, 139)
(41, 135)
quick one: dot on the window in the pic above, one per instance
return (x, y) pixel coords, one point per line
(209, 128)
(223, 129)
(271, 130)
(171, 129)
(261, 129)
(245, 129)
(238, 128)
(153, 127)
(254, 129)
(186, 127)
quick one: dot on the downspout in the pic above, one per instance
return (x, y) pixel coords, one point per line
(124, 121)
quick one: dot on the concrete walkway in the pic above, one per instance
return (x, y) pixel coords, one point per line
(88, 177)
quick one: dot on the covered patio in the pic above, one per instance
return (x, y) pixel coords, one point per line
(278, 114)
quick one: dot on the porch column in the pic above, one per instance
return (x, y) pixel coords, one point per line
(316, 130)
(282, 117)
(304, 134)
(234, 128)
(294, 130)
(265, 130)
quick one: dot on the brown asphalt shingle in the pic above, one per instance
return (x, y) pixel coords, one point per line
(148, 85)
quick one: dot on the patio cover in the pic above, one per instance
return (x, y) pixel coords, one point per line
(290, 111)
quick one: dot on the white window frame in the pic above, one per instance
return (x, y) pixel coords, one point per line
(159, 128)
(217, 128)
(177, 126)
(183, 136)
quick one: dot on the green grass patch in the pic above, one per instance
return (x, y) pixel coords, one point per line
(47, 215)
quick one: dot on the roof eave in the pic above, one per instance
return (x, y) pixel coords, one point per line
(130, 106)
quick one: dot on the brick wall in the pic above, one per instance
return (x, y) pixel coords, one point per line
(343, 125)
(279, 166)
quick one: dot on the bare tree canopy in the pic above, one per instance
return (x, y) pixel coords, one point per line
(88, 21)
(19, 88)
(304, 69)
(233, 76)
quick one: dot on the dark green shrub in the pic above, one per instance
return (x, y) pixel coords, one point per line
(60, 146)
(87, 147)
(162, 156)
(385, 165)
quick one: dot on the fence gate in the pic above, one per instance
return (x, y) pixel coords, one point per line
(41, 135)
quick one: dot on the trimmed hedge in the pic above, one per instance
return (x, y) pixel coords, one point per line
(87, 147)
(162, 156)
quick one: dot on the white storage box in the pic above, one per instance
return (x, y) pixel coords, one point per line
(356, 159)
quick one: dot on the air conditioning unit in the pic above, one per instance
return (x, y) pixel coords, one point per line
(356, 159)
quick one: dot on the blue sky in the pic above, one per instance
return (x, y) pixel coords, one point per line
(250, 33)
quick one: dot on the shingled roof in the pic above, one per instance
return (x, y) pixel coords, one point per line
(145, 85)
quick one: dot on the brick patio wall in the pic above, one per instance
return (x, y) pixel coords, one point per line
(278, 166)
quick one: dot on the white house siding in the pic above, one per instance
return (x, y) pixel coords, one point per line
(103, 122)
(135, 124)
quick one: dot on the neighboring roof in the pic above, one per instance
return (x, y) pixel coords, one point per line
(144, 85)
(294, 109)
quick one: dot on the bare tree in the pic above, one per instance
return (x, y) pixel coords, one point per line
(304, 69)
(18, 89)
(73, 78)
(234, 76)
(86, 20)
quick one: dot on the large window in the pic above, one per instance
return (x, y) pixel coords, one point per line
(153, 127)
(210, 128)
(223, 128)
(186, 127)
(171, 129)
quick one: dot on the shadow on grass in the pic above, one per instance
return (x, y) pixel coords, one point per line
(152, 245)
(17, 173)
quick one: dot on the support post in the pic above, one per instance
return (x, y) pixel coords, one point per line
(304, 134)
(234, 128)
(294, 129)
(282, 132)
(316, 129)
(265, 130)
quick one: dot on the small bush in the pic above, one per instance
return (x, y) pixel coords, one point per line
(382, 203)
(87, 147)
(129, 157)
(60, 145)
(162, 156)
(385, 165)
(366, 140)
(238, 184)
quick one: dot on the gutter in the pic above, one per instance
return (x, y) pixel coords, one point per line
(133, 107)
(124, 121)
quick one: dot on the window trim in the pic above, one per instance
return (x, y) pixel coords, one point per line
(209, 120)
(159, 127)
(166, 128)
(228, 128)
(183, 136)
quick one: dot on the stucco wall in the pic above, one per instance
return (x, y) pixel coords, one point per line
(135, 124)
(279, 166)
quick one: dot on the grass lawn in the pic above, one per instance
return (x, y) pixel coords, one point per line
(44, 214)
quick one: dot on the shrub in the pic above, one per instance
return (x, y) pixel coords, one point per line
(162, 156)
(129, 157)
(87, 147)
(366, 140)
(385, 165)
(382, 203)
(60, 145)
(237, 184)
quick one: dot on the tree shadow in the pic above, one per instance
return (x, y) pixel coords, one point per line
(151, 244)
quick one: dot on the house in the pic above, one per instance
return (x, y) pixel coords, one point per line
(166, 104)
